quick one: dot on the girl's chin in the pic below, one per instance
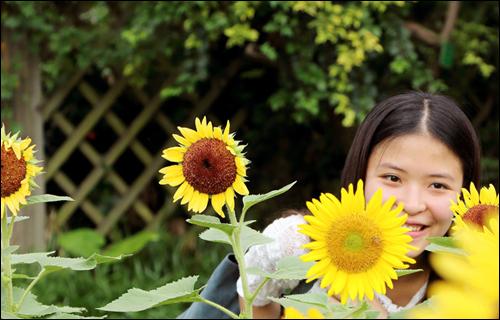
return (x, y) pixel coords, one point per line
(420, 245)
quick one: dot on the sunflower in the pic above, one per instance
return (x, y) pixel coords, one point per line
(469, 285)
(211, 165)
(356, 247)
(18, 170)
(292, 313)
(475, 208)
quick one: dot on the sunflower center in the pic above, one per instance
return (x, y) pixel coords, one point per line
(355, 243)
(478, 214)
(13, 172)
(209, 167)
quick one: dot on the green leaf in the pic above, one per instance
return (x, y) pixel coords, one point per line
(215, 235)
(29, 257)
(443, 244)
(251, 200)
(404, 272)
(291, 268)
(249, 237)
(131, 244)
(22, 276)
(269, 51)
(52, 264)
(137, 300)
(8, 315)
(46, 198)
(303, 302)
(17, 219)
(32, 308)
(71, 316)
(9, 249)
(81, 242)
(211, 222)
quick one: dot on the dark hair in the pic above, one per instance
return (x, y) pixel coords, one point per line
(415, 112)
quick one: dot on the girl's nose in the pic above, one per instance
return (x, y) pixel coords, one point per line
(413, 200)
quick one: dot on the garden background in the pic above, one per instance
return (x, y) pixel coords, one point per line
(101, 86)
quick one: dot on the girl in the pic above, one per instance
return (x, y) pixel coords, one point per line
(420, 148)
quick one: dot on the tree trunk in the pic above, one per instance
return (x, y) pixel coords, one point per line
(26, 102)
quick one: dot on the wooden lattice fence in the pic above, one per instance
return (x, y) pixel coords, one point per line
(127, 139)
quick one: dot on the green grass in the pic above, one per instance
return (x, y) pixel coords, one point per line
(160, 262)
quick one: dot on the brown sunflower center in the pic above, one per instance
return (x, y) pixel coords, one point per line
(355, 244)
(209, 167)
(478, 214)
(13, 172)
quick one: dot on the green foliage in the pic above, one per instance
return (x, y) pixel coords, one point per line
(43, 198)
(138, 300)
(85, 242)
(331, 47)
(132, 244)
(291, 268)
(253, 199)
(159, 262)
(444, 244)
(81, 242)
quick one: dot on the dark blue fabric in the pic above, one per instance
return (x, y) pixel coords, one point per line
(221, 289)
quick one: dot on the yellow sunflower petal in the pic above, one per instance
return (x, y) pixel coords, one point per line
(173, 181)
(174, 154)
(191, 135)
(240, 167)
(172, 171)
(179, 194)
(188, 194)
(181, 140)
(218, 201)
(239, 186)
(230, 198)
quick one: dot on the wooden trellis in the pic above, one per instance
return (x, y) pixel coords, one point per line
(127, 139)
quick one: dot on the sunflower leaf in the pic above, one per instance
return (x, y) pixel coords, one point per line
(303, 302)
(404, 272)
(60, 315)
(252, 199)
(137, 300)
(32, 308)
(211, 222)
(46, 198)
(291, 268)
(215, 235)
(443, 244)
(249, 237)
(52, 264)
(17, 218)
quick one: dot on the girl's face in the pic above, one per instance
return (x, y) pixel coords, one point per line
(423, 174)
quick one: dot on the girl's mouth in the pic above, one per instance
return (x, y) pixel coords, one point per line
(415, 229)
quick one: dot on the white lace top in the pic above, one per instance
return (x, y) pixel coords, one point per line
(288, 242)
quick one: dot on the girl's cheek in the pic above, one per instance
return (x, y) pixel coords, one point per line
(441, 210)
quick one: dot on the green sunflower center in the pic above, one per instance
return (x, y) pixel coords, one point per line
(478, 214)
(355, 244)
(208, 166)
(13, 172)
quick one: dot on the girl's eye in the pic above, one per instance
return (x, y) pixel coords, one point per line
(392, 178)
(437, 185)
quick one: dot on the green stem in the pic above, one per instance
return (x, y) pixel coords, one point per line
(7, 278)
(240, 258)
(28, 289)
(254, 294)
(221, 308)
